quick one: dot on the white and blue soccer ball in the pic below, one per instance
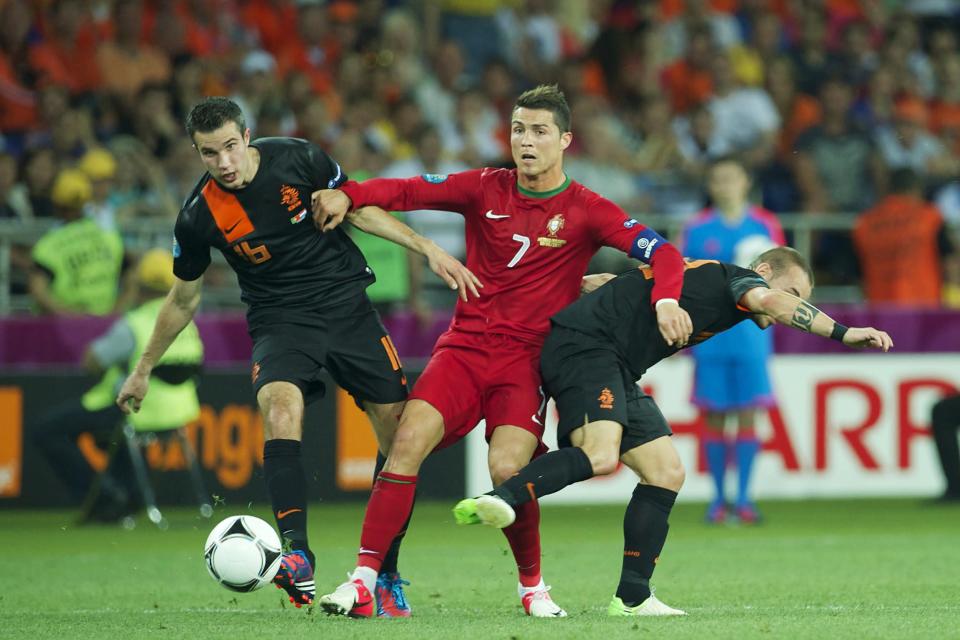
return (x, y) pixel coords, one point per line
(243, 553)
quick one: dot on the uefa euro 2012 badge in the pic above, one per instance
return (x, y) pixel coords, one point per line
(434, 178)
(554, 225)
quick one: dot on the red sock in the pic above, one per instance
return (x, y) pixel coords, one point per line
(524, 538)
(387, 511)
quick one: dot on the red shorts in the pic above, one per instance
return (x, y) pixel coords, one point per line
(471, 377)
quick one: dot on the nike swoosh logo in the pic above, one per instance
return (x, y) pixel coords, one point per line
(367, 551)
(283, 514)
(232, 228)
(496, 216)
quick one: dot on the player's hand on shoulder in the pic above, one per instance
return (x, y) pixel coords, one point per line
(132, 392)
(330, 207)
(674, 323)
(453, 272)
(867, 338)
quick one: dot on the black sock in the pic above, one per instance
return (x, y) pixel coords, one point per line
(393, 554)
(944, 421)
(644, 532)
(287, 487)
(545, 475)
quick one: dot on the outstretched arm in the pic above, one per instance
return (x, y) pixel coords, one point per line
(376, 221)
(175, 314)
(455, 192)
(780, 307)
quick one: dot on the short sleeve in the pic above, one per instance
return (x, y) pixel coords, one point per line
(191, 253)
(324, 171)
(115, 346)
(740, 280)
(611, 226)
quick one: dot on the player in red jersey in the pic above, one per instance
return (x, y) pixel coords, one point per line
(530, 233)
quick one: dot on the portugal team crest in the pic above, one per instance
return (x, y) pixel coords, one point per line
(554, 226)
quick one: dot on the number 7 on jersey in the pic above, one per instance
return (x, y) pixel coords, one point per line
(524, 245)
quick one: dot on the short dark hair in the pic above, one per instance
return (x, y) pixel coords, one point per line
(550, 98)
(728, 158)
(212, 113)
(781, 259)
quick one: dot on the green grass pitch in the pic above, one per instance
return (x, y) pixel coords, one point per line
(839, 569)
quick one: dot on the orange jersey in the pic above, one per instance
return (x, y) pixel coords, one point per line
(897, 241)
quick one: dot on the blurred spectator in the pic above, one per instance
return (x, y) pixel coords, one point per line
(17, 97)
(945, 423)
(657, 148)
(473, 25)
(187, 87)
(903, 246)
(77, 265)
(257, 87)
(311, 48)
(765, 44)
(656, 157)
(857, 57)
(907, 144)
(687, 80)
(39, 172)
(127, 64)
(812, 60)
(100, 167)
(172, 400)
(480, 131)
(904, 36)
(798, 112)
(428, 291)
(837, 167)
(532, 38)
(699, 141)
(731, 381)
(745, 118)
(14, 201)
(272, 21)
(66, 55)
(395, 134)
(874, 109)
(437, 93)
(401, 42)
(945, 108)
(152, 119)
(600, 165)
(697, 14)
(73, 134)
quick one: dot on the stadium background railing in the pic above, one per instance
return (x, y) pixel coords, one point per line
(139, 235)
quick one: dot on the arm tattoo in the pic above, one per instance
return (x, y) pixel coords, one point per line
(803, 316)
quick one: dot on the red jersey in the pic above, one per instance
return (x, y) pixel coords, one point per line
(529, 249)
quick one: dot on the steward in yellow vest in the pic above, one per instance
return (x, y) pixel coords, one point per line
(172, 402)
(76, 265)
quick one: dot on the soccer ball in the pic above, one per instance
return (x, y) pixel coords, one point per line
(243, 553)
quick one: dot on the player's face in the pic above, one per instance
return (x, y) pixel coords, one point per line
(793, 280)
(728, 184)
(536, 141)
(224, 154)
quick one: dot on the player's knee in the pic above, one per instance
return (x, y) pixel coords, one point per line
(503, 470)
(280, 422)
(410, 445)
(670, 476)
(604, 461)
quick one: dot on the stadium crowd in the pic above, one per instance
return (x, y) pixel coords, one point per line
(834, 106)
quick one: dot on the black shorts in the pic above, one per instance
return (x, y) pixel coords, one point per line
(352, 344)
(589, 382)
